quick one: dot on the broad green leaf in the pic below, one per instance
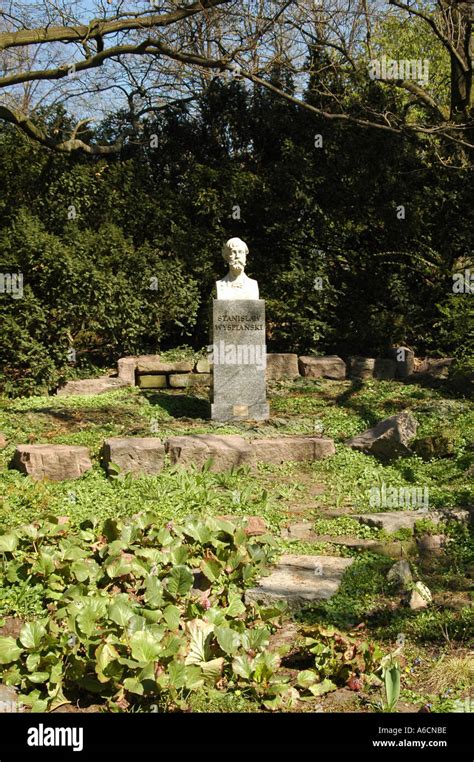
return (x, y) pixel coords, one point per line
(171, 616)
(222, 525)
(200, 632)
(306, 678)
(256, 639)
(179, 555)
(8, 542)
(235, 607)
(212, 670)
(199, 532)
(119, 566)
(193, 678)
(243, 666)
(31, 635)
(211, 568)
(133, 685)
(44, 564)
(32, 662)
(9, 651)
(104, 654)
(83, 569)
(56, 674)
(180, 581)
(136, 624)
(154, 592)
(324, 687)
(144, 646)
(38, 677)
(120, 611)
(265, 666)
(177, 674)
(228, 639)
(391, 676)
(171, 645)
(89, 615)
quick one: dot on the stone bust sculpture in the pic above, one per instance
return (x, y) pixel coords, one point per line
(236, 284)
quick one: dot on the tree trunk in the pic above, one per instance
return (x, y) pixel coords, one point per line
(461, 77)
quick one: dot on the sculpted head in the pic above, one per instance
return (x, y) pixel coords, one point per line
(235, 253)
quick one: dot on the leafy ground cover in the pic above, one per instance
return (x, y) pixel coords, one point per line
(71, 556)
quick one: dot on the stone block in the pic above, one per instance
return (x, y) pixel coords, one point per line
(370, 367)
(226, 451)
(202, 365)
(392, 521)
(281, 366)
(153, 364)
(135, 455)
(279, 450)
(322, 367)
(153, 382)
(185, 380)
(404, 357)
(126, 370)
(89, 386)
(298, 580)
(54, 462)
(147, 363)
(388, 439)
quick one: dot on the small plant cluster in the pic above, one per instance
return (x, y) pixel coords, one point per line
(139, 613)
(142, 615)
(339, 660)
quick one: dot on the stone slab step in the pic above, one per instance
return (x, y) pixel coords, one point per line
(299, 580)
(91, 386)
(330, 366)
(185, 380)
(134, 455)
(54, 462)
(303, 531)
(153, 364)
(392, 521)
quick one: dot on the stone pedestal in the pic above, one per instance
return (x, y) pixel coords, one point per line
(238, 354)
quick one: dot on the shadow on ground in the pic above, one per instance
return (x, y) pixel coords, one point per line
(181, 405)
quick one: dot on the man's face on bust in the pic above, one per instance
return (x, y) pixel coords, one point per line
(236, 257)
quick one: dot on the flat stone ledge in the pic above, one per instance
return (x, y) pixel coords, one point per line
(330, 366)
(392, 521)
(135, 455)
(434, 368)
(152, 382)
(202, 365)
(281, 366)
(145, 454)
(54, 462)
(372, 367)
(153, 364)
(404, 359)
(226, 451)
(91, 386)
(298, 580)
(185, 380)
(126, 367)
(278, 450)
